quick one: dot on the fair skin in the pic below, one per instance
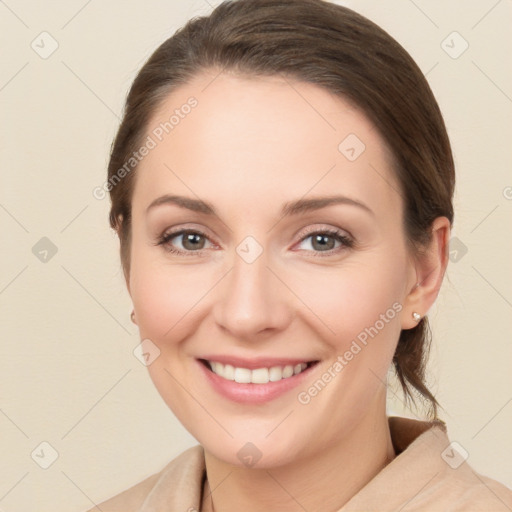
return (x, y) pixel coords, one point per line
(250, 146)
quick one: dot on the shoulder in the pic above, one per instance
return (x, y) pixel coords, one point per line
(466, 489)
(179, 475)
(429, 473)
(131, 499)
(442, 475)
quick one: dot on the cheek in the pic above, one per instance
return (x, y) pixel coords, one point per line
(160, 299)
(170, 299)
(355, 297)
(362, 309)
(167, 298)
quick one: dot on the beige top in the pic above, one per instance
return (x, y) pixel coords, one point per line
(428, 474)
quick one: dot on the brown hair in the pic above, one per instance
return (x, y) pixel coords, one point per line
(341, 51)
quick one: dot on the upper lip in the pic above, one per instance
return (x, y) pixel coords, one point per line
(256, 362)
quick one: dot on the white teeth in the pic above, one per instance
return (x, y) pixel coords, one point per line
(229, 371)
(275, 373)
(257, 376)
(242, 375)
(287, 371)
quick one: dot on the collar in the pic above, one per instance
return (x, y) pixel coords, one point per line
(417, 444)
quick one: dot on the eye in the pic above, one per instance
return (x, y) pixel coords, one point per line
(327, 241)
(191, 241)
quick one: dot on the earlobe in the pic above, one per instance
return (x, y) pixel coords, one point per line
(430, 267)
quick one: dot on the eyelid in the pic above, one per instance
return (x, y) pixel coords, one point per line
(322, 229)
(184, 228)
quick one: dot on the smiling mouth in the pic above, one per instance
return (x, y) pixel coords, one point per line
(258, 375)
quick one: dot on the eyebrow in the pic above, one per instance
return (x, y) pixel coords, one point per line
(289, 209)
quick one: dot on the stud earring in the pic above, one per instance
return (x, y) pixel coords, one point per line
(132, 316)
(416, 316)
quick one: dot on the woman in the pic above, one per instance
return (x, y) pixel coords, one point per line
(282, 185)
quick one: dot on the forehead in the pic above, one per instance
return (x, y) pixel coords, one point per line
(242, 139)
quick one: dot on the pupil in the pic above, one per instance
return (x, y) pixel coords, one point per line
(192, 239)
(321, 240)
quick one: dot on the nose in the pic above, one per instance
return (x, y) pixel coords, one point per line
(252, 302)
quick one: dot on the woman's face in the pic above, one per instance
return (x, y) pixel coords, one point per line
(272, 278)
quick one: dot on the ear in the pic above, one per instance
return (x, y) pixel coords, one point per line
(430, 266)
(118, 228)
(127, 281)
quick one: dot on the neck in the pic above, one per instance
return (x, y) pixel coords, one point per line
(324, 482)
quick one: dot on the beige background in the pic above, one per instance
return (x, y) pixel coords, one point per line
(68, 376)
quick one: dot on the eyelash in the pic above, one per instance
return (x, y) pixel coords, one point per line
(347, 243)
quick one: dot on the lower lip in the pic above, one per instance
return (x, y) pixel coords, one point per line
(252, 393)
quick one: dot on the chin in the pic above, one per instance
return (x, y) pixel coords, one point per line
(247, 454)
